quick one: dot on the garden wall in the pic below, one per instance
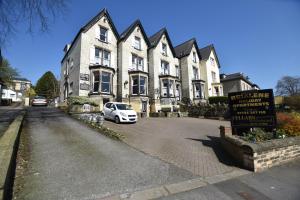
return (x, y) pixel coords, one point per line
(262, 155)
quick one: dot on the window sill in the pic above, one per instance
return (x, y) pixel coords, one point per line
(106, 42)
(139, 49)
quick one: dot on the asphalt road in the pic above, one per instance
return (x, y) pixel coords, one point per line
(277, 183)
(67, 160)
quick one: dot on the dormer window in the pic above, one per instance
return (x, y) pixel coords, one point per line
(103, 34)
(194, 57)
(164, 49)
(137, 43)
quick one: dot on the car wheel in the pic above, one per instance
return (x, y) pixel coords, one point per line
(117, 119)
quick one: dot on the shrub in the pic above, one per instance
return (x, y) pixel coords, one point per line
(77, 100)
(218, 100)
(289, 123)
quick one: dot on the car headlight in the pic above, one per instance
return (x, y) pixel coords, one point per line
(123, 114)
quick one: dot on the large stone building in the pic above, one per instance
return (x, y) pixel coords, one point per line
(148, 73)
(236, 82)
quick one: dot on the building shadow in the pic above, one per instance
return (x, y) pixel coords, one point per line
(215, 144)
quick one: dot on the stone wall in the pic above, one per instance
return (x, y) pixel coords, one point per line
(260, 156)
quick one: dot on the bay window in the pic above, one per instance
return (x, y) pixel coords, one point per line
(96, 81)
(105, 82)
(101, 82)
(198, 90)
(167, 88)
(177, 92)
(138, 85)
(177, 71)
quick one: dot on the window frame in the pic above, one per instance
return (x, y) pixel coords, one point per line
(195, 75)
(200, 91)
(168, 88)
(100, 57)
(194, 57)
(138, 85)
(164, 51)
(105, 34)
(137, 43)
(163, 69)
(135, 62)
(100, 81)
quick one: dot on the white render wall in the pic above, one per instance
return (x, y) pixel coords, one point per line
(155, 58)
(73, 74)
(187, 65)
(88, 42)
(209, 69)
(125, 50)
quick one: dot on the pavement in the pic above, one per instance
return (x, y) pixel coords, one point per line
(277, 183)
(189, 143)
(67, 160)
(7, 115)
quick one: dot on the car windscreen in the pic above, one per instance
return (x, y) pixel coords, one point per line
(123, 107)
(39, 97)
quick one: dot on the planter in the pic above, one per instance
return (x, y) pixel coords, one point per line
(262, 155)
(82, 108)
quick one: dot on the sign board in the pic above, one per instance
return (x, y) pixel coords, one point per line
(253, 108)
(84, 86)
(84, 77)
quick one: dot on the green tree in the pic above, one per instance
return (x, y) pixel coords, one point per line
(47, 86)
(7, 72)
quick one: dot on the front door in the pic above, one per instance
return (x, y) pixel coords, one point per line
(144, 106)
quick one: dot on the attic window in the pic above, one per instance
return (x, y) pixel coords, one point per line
(104, 20)
(138, 29)
(212, 61)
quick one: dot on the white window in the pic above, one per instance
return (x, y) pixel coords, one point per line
(101, 82)
(103, 34)
(165, 69)
(177, 71)
(102, 57)
(198, 90)
(212, 61)
(167, 88)
(195, 73)
(214, 77)
(137, 43)
(71, 88)
(71, 63)
(177, 92)
(164, 49)
(137, 63)
(105, 82)
(96, 81)
(194, 57)
(138, 85)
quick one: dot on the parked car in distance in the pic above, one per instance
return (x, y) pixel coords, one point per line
(119, 112)
(39, 101)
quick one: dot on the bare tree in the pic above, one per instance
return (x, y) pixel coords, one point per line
(37, 13)
(288, 86)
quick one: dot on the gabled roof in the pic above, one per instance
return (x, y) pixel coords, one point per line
(155, 38)
(21, 79)
(91, 23)
(205, 53)
(185, 48)
(131, 28)
(237, 76)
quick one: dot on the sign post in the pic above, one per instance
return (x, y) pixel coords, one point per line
(251, 109)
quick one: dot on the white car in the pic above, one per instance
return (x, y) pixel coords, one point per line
(119, 112)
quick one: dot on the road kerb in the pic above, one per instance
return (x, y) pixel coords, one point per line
(8, 147)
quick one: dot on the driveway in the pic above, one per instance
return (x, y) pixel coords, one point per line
(189, 143)
(60, 158)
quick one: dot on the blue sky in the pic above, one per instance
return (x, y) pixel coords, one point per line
(258, 37)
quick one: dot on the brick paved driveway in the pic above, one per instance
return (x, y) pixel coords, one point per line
(189, 143)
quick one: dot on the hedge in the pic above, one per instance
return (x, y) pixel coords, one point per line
(218, 100)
